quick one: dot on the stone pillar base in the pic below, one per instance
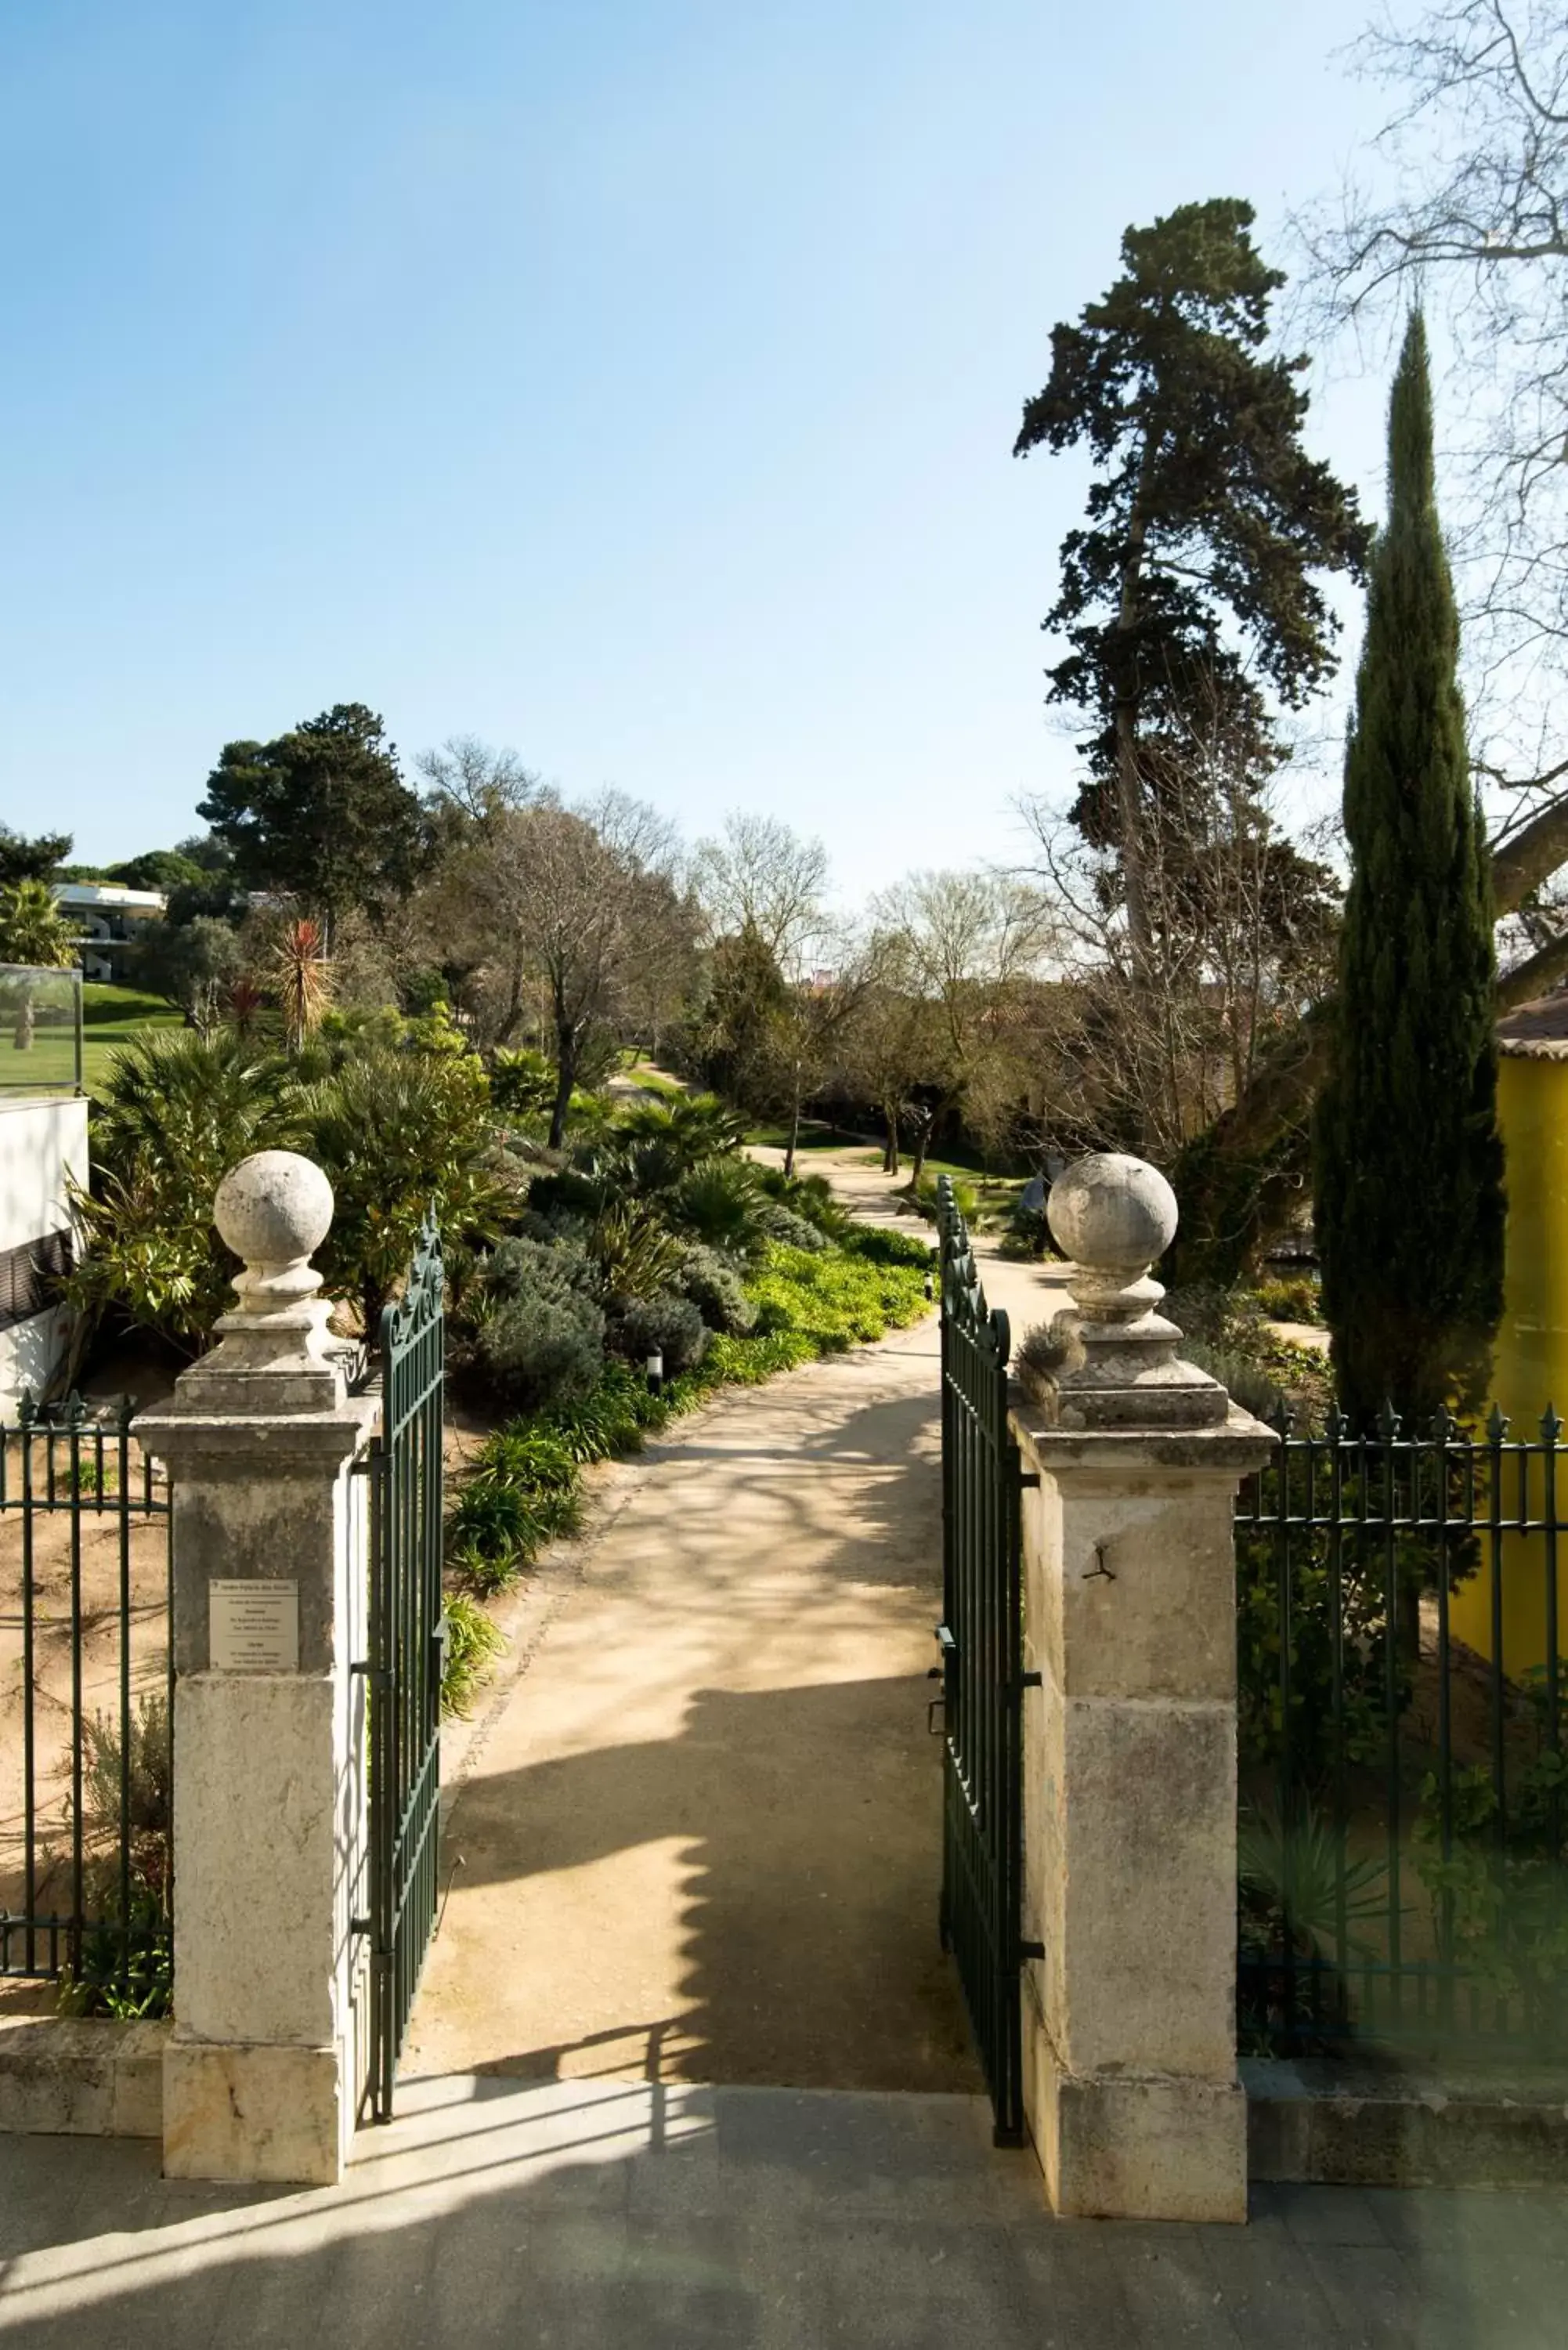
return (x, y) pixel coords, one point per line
(1127, 2148)
(239, 2111)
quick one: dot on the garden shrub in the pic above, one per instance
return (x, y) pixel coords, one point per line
(541, 1346)
(530, 1455)
(1293, 1299)
(777, 1223)
(1249, 1385)
(719, 1202)
(522, 1085)
(524, 1266)
(714, 1286)
(176, 1111)
(879, 1245)
(567, 1191)
(401, 1133)
(501, 1523)
(634, 1252)
(809, 1197)
(1200, 1309)
(669, 1324)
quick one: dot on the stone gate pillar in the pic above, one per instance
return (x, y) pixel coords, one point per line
(1131, 1459)
(259, 1441)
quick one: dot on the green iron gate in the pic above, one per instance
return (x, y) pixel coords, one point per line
(405, 1662)
(982, 1640)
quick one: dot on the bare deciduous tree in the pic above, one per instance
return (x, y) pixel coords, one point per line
(580, 904)
(815, 1022)
(1471, 220)
(1241, 943)
(891, 1045)
(962, 944)
(469, 783)
(763, 875)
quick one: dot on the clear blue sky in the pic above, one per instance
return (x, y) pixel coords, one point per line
(630, 382)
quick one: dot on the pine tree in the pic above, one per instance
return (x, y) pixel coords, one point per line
(1191, 583)
(1408, 1156)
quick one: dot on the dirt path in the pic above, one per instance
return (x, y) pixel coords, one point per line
(701, 1833)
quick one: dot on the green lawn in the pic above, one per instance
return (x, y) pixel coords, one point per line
(650, 1079)
(814, 1136)
(993, 1191)
(112, 1016)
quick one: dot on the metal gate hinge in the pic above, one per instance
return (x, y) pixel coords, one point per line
(1031, 1680)
(1029, 1476)
(1031, 1950)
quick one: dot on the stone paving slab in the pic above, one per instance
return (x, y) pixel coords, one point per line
(573, 2215)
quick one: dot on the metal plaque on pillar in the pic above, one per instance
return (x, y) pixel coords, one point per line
(253, 1627)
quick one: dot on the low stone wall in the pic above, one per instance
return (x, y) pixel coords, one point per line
(70, 2077)
(1336, 2123)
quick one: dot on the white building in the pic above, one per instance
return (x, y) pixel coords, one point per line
(107, 918)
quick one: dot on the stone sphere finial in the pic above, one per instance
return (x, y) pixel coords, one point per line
(274, 1210)
(1113, 1214)
(1116, 1216)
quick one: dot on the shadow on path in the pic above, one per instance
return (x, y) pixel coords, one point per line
(808, 1883)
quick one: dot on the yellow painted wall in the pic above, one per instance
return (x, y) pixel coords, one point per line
(1531, 1365)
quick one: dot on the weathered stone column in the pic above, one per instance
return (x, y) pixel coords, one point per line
(259, 1441)
(1130, 1749)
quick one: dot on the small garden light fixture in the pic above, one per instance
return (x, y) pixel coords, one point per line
(654, 1366)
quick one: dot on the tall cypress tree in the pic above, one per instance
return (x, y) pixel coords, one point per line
(1409, 1157)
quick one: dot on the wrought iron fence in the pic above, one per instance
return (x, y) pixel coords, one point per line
(86, 1760)
(1403, 1781)
(407, 1647)
(980, 1637)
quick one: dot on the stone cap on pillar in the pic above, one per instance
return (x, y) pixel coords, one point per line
(273, 1356)
(1114, 1216)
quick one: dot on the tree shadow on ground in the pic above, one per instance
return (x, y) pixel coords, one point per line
(810, 1823)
